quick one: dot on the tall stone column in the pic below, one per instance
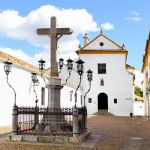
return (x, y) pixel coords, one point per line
(54, 89)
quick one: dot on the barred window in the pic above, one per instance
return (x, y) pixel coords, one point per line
(101, 68)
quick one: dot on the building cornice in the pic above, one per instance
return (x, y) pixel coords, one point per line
(101, 52)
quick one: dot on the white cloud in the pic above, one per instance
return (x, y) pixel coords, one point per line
(134, 16)
(135, 13)
(138, 78)
(107, 26)
(137, 19)
(18, 27)
(21, 55)
(24, 28)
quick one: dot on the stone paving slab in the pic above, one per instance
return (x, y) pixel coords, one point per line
(91, 142)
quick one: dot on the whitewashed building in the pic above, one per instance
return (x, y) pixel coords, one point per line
(138, 106)
(146, 75)
(20, 80)
(112, 85)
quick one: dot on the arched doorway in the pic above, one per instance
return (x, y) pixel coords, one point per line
(102, 101)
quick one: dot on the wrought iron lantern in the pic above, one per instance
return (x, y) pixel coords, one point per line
(80, 66)
(7, 67)
(89, 75)
(35, 81)
(80, 72)
(69, 68)
(61, 63)
(69, 65)
(89, 78)
(34, 78)
(41, 64)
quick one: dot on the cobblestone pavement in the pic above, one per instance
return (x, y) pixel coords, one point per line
(121, 133)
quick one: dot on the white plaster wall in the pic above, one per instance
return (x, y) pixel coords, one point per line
(138, 108)
(66, 100)
(145, 97)
(21, 81)
(118, 83)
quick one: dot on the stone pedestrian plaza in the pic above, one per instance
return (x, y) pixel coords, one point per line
(121, 133)
(116, 133)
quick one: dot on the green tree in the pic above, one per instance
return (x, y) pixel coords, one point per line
(138, 91)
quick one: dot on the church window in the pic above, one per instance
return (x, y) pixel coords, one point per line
(101, 44)
(101, 68)
(90, 100)
(102, 82)
(115, 100)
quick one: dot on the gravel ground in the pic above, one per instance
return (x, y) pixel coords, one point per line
(118, 133)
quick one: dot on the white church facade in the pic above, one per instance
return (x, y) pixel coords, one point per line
(112, 85)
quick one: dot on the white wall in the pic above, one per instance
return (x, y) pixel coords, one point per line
(118, 83)
(145, 96)
(138, 108)
(21, 81)
(68, 100)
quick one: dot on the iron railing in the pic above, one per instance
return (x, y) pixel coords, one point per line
(49, 121)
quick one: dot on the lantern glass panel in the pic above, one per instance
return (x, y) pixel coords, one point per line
(7, 67)
(89, 75)
(80, 67)
(41, 64)
(61, 62)
(34, 78)
(70, 66)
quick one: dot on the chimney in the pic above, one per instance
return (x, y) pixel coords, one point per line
(86, 38)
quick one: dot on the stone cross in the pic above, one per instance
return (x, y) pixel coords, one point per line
(55, 34)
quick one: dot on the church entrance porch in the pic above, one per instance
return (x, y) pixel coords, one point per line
(102, 101)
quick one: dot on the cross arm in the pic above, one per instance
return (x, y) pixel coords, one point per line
(58, 31)
(64, 31)
(43, 31)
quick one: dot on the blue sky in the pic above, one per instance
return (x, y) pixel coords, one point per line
(128, 21)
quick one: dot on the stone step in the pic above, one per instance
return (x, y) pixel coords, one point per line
(103, 112)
